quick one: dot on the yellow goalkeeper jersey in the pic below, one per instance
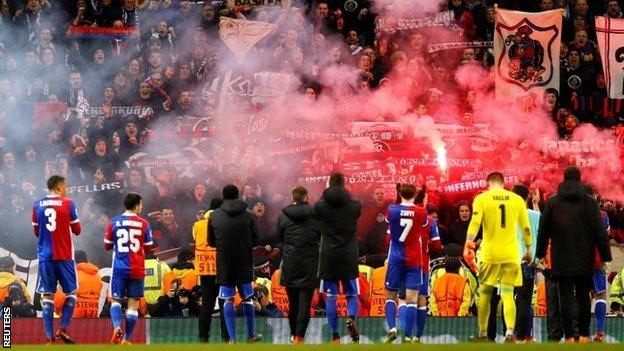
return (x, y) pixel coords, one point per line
(499, 211)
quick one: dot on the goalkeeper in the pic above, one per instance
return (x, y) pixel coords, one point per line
(499, 211)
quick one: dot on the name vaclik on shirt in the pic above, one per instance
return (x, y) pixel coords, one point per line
(6, 327)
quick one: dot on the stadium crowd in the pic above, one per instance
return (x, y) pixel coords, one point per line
(45, 66)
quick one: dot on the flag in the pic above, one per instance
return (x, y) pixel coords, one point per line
(241, 35)
(526, 52)
(610, 33)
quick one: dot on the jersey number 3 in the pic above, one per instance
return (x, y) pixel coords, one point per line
(124, 237)
(51, 214)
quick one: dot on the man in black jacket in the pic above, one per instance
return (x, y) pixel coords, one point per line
(571, 222)
(299, 234)
(339, 213)
(234, 233)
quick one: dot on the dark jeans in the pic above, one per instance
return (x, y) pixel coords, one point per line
(299, 301)
(553, 317)
(209, 294)
(574, 297)
(524, 307)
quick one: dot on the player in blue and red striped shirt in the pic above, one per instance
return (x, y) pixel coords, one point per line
(128, 235)
(54, 219)
(405, 258)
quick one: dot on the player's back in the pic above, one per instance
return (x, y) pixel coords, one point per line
(429, 233)
(500, 212)
(405, 223)
(53, 215)
(128, 234)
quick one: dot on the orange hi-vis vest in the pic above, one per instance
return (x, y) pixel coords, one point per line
(87, 295)
(205, 255)
(378, 292)
(278, 293)
(448, 291)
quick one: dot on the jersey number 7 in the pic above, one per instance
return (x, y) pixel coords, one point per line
(407, 224)
(123, 237)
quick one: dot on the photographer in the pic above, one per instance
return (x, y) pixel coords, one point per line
(178, 302)
(262, 305)
(13, 292)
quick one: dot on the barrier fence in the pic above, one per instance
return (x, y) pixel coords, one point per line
(274, 330)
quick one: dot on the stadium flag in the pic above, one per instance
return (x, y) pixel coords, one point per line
(241, 35)
(610, 33)
(526, 52)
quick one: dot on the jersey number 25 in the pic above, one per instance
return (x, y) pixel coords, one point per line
(124, 237)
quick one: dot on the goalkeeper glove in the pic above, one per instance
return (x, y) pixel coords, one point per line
(469, 255)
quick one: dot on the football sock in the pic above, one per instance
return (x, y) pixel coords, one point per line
(67, 310)
(230, 318)
(509, 307)
(131, 319)
(47, 307)
(600, 315)
(250, 318)
(401, 309)
(410, 319)
(115, 313)
(332, 314)
(483, 307)
(390, 310)
(421, 318)
(352, 306)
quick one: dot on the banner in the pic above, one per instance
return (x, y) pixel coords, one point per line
(241, 35)
(390, 25)
(610, 33)
(431, 48)
(526, 52)
(94, 188)
(88, 32)
(246, 5)
(234, 91)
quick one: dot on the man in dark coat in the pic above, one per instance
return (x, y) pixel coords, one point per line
(571, 222)
(299, 234)
(233, 232)
(339, 213)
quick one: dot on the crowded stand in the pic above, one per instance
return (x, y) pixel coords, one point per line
(176, 99)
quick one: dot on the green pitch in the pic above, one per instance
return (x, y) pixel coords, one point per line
(326, 347)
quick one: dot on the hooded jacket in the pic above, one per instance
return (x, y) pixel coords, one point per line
(234, 233)
(338, 214)
(571, 222)
(300, 233)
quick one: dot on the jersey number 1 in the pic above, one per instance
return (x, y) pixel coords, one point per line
(502, 208)
(123, 237)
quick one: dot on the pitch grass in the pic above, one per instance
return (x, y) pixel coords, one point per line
(326, 347)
